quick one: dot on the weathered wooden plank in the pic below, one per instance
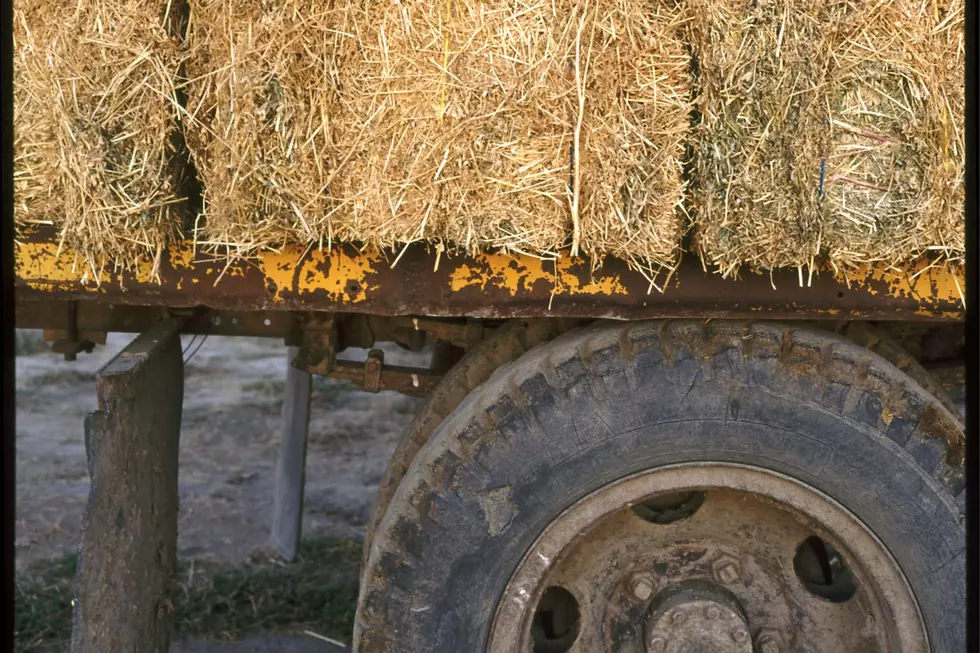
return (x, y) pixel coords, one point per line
(127, 558)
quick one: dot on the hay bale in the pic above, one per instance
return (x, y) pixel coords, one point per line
(828, 130)
(94, 96)
(387, 123)
(522, 127)
(261, 101)
(461, 117)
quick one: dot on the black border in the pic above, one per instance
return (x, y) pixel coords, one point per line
(7, 311)
(972, 325)
(972, 335)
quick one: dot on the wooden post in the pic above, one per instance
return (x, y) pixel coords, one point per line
(127, 558)
(287, 511)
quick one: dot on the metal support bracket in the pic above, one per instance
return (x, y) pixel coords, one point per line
(287, 510)
(317, 344)
(70, 341)
(373, 376)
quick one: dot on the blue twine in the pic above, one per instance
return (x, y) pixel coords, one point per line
(823, 168)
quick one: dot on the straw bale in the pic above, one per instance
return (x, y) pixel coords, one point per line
(828, 130)
(261, 99)
(450, 122)
(523, 127)
(94, 96)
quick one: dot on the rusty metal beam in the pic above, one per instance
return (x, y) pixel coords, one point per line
(96, 317)
(486, 286)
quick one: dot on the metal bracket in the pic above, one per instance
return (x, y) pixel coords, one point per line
(317, 344)
(372, 370)
(70, 341)
(373, 376)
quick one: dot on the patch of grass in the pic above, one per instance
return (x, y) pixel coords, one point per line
(42, 605)
(327, 393)
(28, 342)
(318, 592)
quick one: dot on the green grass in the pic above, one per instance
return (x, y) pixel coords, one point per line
(42, 606)
(317, 592)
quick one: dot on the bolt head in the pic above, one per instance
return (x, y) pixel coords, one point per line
(726, 569)
(769, 641)
(713, 612)
(641, 585)
(658, 644)
(678, 616)
(740, 635)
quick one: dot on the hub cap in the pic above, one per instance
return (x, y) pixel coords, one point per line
(707, 557)
(697, 617)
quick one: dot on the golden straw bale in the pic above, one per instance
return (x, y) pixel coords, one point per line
(893, 187)
(261, 99)
(636, 124)
(467, 116)
(828, 130)
(460, 120)
(94, 104)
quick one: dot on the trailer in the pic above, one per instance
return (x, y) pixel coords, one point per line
(765, 464)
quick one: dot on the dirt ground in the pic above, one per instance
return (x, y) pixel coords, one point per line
(231, 421)
(228, 449)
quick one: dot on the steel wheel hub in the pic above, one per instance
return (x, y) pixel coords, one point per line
(707, 557)
(697, 618)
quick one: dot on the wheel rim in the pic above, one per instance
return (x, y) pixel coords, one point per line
(707, 557)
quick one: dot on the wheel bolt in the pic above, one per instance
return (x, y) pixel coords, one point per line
(713, 612)
(726, 569)
(740, 636)
(678, 616)
(641, 584)
(658, 644)
(769, 641)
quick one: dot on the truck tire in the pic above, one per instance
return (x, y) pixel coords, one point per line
(827, 436)
(506, 344)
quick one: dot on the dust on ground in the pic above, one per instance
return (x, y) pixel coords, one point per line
(228, 448)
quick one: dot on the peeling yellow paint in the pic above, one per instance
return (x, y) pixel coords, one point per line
(41, 266)
(886, 416)
(342, 276)
(521, 273)
(921, 281)
(348, 278)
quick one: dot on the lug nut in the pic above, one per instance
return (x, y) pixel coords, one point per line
(678, 616)
(658, 644)
(740, 635)
(769, 641)
(713, 612)
(641, 584)
(726, 569)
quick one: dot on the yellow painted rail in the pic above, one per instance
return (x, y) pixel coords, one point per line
(416, 282)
